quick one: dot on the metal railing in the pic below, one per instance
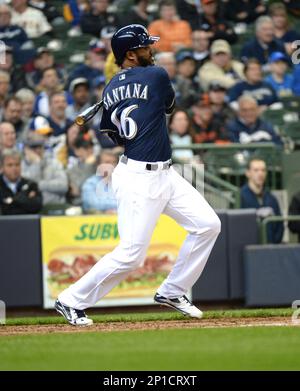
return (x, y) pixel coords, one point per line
(229, 161)
(223, 189)
(274, 219)
(219, 193)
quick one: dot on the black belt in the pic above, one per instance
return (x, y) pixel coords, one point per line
(150, 166)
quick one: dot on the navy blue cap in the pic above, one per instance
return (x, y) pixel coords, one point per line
(184, 55)
(97, 46)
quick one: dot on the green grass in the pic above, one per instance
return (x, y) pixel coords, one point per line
(249, 348)
(257, 348)
(139, 317)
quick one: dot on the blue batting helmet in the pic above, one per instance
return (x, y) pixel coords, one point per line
(130, 37)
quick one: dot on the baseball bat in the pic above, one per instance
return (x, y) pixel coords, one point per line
(88, 113)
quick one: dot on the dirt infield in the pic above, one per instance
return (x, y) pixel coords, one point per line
(149, 325)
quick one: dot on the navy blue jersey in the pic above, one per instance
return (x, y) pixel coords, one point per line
(135, 103)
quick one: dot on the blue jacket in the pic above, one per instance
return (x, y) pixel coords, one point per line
(296, 79)
(282, 89)
(290, 36)
(249, 200)
(262, 92)
(97, 195)
(253, 49)
(13, 36)
(262, 131)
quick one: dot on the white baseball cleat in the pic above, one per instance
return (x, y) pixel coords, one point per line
(180, 304)
(72, 315)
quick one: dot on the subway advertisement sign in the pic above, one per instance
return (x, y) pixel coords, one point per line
(71, 246)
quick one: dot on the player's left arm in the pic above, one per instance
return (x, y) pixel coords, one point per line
(170, 98)
(166, 87)
(169, 109)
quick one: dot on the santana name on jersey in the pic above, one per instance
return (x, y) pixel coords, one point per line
(130, 91)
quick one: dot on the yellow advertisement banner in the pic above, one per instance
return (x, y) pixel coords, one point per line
(71, 246)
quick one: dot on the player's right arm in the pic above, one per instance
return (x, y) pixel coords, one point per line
(107, 127)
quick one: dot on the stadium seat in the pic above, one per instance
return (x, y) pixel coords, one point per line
(292, 130)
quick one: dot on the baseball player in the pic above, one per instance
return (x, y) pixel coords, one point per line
(145, 184)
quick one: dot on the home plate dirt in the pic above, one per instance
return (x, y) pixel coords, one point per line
(150, 325)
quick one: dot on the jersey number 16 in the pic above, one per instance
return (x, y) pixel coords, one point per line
(127, 126)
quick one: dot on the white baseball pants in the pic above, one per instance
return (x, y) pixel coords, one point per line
(142, 196)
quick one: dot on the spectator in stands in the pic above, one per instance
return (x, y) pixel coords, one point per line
(96, 94)
(94, 63)
(222, 112)
(254, 85)
(279, 79)
(294, 209)
(31, 20)
(13, 114)
(221, 67)
(137, 14)
(186, 68)
(73, 11)
(79, 89)
(174, 33)
(189, 11)
(49, 10)
(293, 7)
(40, 126)
(200, 46)
(44, 59)
(244, 11)
(58, 117)
(181, 134)
(49, 173)
(282, 29)
(86, 167)
(255, 195)
(64, 151)
(110, 67)
(12, 35)
(97, 194)
(264, 44)
(212, 21)
(49, 85)
(8, 138)
(27, 97)
(17, 194)
(248, 127)
(4, 89)
(183, 88)
(17, 76)
(93, 21)
(106, 36)
(296, 80)
(207, 127)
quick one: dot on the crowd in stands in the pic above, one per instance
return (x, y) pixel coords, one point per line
(223, 86)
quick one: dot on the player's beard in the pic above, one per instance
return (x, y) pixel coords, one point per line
(145, 62)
